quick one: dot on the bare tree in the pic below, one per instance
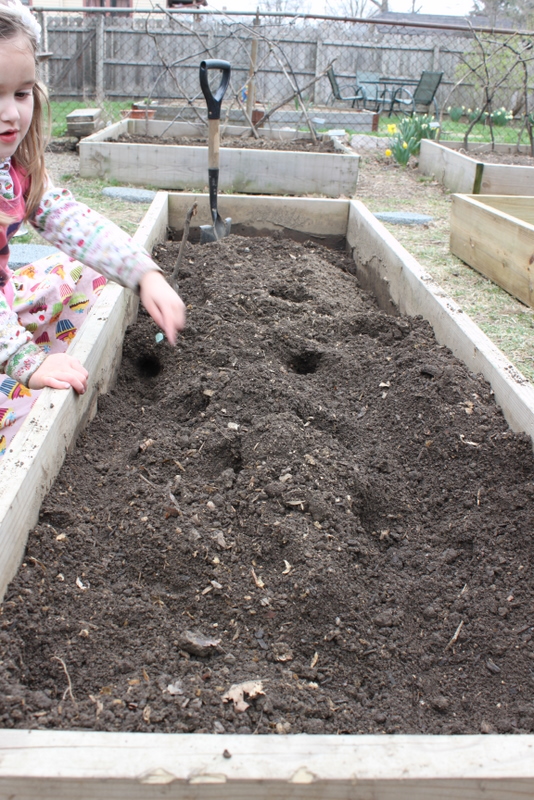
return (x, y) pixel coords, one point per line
(284, 6)
(349, 8)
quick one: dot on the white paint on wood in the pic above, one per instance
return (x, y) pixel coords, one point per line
(394, 275)
(92, 766)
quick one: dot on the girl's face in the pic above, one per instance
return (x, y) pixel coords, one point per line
(17, 79)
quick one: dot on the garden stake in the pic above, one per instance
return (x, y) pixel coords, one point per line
(174, 277)
(220, 227)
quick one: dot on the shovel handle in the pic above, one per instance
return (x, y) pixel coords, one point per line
(214, 99)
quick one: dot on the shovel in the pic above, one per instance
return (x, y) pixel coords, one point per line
(220, 227)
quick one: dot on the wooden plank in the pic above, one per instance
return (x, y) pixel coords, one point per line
(323, 220)
(248, 171)
(66, 765)
(456, 171)
(465, 175)
(521, 207)
(112, 132)
(398, 281)
(35, 456)
(507, 179)
(497, 245)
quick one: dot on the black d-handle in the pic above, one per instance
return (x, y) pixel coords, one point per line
(214, 99)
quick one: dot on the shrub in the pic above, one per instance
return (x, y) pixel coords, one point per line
(456, 112)
(477, 115)
(501, 116)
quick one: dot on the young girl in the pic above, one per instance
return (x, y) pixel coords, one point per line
(43, 304)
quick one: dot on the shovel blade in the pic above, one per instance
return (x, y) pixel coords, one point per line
(212, 233)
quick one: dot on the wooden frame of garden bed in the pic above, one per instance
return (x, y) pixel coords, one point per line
(466, 175)
(495, 236)
(74, 765)
(171, 166)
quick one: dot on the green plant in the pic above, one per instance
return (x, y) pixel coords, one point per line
(407, 137)
(477, 115)
(456, 112)
(501, 116)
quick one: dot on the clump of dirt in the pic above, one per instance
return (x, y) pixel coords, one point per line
(306, 498)
(242, 142)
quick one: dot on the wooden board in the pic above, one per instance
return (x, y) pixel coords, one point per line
(465, 175)
(456, 171)
(495, 243)
(399, 282)
(520, 207)
(304, 218)
(62, 765)
(241, 170)
(35, 456)
(75, 765)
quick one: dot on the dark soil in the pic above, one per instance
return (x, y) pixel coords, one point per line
(242, 142)
(305, 493)
(494, 157)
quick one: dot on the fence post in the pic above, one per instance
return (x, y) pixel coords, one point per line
(45, 70)
(251, 86)
(99, 66)
(436, 58)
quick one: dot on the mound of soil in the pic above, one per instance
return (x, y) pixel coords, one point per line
(241, 142)
(307, 499)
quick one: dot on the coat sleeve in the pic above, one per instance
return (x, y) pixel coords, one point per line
(19, 356)
(91, 238)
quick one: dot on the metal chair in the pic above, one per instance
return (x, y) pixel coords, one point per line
(357, 96)
(375, 94)
(424, 94)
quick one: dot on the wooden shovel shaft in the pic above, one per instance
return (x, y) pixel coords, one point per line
(214, 142)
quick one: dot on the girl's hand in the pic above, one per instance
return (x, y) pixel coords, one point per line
(60, 371)
(162, 303)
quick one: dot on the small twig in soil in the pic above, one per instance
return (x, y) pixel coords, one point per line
(456, 635)
(68, 690)
(191, 213)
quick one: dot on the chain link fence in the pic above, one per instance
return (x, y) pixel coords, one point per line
(112, 59)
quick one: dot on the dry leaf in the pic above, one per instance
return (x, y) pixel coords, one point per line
(146, 444)
(314, 660)
(237, 692)
(146, 714)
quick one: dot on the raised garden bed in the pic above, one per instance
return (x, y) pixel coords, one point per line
(171, 166)
(495, 235)
(337, 337)
(464, 174)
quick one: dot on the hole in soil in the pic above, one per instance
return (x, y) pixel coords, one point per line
(305, 363)
(148, 365)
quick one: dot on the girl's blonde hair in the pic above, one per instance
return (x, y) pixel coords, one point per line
(30, 153)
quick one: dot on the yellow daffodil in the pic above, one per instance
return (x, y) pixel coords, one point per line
(392, 129)
(404, 146)
(388, 153)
